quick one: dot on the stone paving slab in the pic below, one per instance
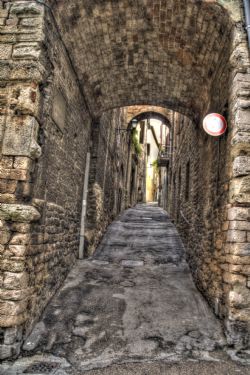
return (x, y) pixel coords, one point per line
(135, 303)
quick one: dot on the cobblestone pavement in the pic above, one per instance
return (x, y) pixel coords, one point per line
(130, 309)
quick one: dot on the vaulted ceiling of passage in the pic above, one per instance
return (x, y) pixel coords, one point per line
(159, 52)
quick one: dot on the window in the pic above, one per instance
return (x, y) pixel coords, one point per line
(187, 187)
(148, 149)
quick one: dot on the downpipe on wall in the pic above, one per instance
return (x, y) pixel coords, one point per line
(247, 16)
(84, 207)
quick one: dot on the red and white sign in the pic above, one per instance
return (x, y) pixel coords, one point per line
(215, 124)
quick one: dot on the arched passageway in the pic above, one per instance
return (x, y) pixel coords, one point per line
(69, 71)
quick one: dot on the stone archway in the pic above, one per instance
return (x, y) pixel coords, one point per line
(64, 68)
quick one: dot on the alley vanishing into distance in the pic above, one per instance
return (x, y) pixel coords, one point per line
(133, 301)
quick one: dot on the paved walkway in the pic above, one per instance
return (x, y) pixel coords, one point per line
(133, 302)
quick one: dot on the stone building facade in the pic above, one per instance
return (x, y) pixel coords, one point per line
(64, 67)
(213, 228)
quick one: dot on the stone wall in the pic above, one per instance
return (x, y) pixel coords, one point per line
(45, 131)
(199, 191)
(21, 34)
(59, 174)
(209, 197)
(108, 174)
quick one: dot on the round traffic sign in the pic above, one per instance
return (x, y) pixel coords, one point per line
(214, 124)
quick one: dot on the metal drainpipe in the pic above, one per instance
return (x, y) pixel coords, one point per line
(84, 207)
(247, 16)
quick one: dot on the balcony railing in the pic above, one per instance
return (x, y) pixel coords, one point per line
(164, 156)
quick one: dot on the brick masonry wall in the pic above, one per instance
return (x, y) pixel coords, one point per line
(21, 35)
(45, 131)
(198, 203)
(108, 174)
(64, 138)
(214, 218)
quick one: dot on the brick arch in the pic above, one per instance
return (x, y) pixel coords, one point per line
(151, 115)
(146, 111)
(166, 53)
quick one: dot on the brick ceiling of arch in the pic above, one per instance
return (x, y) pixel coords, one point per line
(159, 52)
(146, 111)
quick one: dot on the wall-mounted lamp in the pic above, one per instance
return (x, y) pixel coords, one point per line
(132, 126)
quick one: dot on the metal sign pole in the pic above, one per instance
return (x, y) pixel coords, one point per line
(84, 207)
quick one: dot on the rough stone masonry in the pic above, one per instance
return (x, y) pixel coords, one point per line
(61, 67)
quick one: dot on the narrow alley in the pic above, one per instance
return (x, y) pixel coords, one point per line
(133, 301)
(124, 187)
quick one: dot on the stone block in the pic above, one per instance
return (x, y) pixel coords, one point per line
(7, 198)
(240, 225)
(25, 99)
(242, 117)
(28, 50)
(8, 186)
(238, 213)
(241, 140)
(5, 51)
(235, 259)
(4, 13)
(7, 351)
(14, 295)
(20, 137)
(12, 335)
(18, 212)
(240, 249)
(26, 9)
(33, 22)
(15, 280)
(14, 174)
(12, 265)
(231, 278)
(7, 38)
(12, 320)
(239, 297)
(236, 236)
(225, 226)
(22, 162)
(12, 307)
(2, 123)
(4, 237)
(18, 250)
(35, 337)
(20, 227)
(17, 70)
(11, 22)
(245, 269)
(6, 162)
(20, 239)
(241, 166)
(219, 244)
(240, 190)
